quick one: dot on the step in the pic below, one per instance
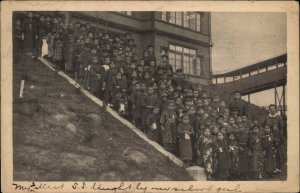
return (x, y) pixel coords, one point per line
(197, 173)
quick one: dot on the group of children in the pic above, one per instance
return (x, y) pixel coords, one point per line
(177, 114)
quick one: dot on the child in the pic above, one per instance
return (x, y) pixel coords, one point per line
(136, 101)
(233, 156)
(221, 158)
(122, 102)
(204, 151)
(149, 101)
(85, 57)
(168, 121)
(184, 131)
(76, 59)
(255, 154)
(92, 61)
(199, 121)
(58, 54)
(216, 103)
(154, 132)
(96, 76)
(214, 132)
(199, 102)
(279, 149)
(242, 140)
(118, 84)
(270, 158)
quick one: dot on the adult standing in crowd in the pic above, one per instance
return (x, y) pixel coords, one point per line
(237, 104)
(278, 127)
(29, 34)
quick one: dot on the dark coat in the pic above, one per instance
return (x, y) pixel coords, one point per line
(184, 132)
(221, 159)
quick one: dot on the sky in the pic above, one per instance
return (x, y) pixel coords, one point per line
(241, 39)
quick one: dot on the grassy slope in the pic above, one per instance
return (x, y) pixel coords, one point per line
(45, 149)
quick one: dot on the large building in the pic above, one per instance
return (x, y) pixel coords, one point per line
(184, 36)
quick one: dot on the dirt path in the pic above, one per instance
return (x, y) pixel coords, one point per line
(59, 134)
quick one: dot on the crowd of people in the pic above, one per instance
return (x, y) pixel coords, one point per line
(184, 118)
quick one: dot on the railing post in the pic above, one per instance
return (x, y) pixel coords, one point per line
(224, 79)
(283, 95)
(275, 95)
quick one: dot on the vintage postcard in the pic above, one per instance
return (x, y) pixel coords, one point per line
(149, 96)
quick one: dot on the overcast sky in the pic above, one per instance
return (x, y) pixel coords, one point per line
(241, 39)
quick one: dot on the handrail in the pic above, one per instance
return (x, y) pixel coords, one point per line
(254, 69)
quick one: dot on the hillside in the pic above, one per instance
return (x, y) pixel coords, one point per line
(59, 134)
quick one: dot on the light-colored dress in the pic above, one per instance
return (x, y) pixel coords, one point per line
(44, 47)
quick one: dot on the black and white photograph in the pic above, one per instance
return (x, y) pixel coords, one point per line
(143, 96)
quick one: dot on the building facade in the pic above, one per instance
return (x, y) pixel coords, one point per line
(184, 36)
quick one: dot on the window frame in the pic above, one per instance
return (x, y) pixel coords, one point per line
(168, 17)
(191, 68)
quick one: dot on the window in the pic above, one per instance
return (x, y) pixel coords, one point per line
(191, 20)
(126, 12)
(186, 59)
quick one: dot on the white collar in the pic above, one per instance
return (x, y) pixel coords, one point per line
(275, 115)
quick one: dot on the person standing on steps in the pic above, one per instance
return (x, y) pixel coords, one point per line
(237, 104)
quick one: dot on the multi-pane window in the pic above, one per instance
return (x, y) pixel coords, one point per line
(191, 20)
(186, 59)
